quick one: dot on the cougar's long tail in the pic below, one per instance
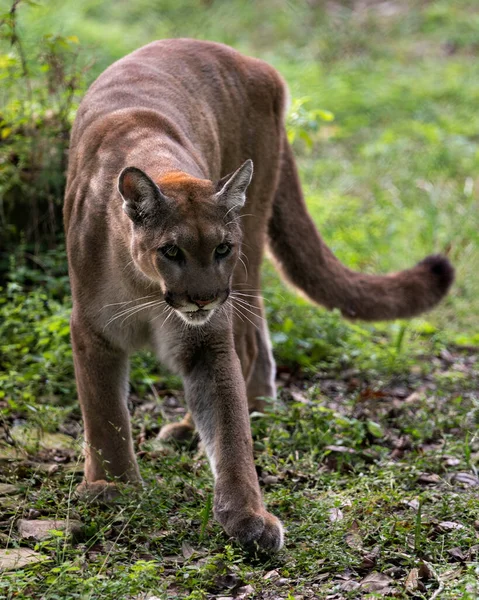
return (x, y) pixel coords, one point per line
(310, 265)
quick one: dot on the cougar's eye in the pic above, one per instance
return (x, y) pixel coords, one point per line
(172, 252)
(222, 250)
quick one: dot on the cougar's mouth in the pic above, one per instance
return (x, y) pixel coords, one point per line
(195, 317)
(193, 314)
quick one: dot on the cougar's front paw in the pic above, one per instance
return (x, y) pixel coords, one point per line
(260, 527)
(98, 491)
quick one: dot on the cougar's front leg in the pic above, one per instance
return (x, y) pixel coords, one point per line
(102, 382)
(216, 396)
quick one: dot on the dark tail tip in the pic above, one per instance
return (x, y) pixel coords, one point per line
(441, 270)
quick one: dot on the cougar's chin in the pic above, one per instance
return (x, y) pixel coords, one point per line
(196, 317)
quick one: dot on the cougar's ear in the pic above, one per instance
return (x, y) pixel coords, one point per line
(142, 198)
(232, 188)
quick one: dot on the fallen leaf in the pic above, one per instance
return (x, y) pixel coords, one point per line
(449, 526)
(376, 582)
(33, 437)
(414, 503)
(41, 529)
(271, 575)
(244, 591)
(187, 550)
(425, 572)
(353, 537)
(412, 581)
(7, 489)
(349, 586)
(17, 558)
(335, 514)
(429, 478)
(465, 479)
(369, 559)
(457, 554)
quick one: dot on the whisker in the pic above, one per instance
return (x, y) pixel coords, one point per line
(227, 315)
(245, 307)
(243, 263)
(125, 311)
(246, 303)
(128, 301)
(238, 217)
(230, 209)
(172, 312)
(139, 309)
(132, 310)
(247, 318)
(128, 264)
(166, 308)
(234, 293)
(236, 312)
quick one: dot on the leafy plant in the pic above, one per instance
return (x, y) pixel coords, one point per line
(40, 91)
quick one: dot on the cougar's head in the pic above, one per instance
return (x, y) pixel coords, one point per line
(186, 235)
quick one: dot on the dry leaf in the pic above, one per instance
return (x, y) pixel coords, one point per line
(245, 591)
(425, 572)
(369, 559)
(376, 582)
(412, 581)
(349, 586)
(449, 526)
(7, 489)
(465, 479)
(41, 529)
(187, 550)
(335, 514)
(271, 575)
(353, 537)
(429, 478)
(16, 558)
(457, 554)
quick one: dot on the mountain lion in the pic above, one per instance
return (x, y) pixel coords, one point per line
(165, 253)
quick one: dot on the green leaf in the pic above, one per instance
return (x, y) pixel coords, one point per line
(375, 429)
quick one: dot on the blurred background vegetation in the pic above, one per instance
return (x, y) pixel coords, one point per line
(384, 124)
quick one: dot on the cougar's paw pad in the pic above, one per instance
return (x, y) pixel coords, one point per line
(100, 491)
(177, 432)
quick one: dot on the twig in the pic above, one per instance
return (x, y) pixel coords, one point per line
(437, 578)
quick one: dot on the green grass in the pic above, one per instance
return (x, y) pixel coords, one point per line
(372, 446)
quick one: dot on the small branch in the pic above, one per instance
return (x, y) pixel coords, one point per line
(437, 578)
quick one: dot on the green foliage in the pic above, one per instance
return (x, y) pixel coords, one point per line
(304, 122)
(40, 88)
(36, 370)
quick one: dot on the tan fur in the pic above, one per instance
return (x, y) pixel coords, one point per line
(153, 142)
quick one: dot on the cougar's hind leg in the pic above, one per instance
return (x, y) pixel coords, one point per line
(261, 384)
(252, 337)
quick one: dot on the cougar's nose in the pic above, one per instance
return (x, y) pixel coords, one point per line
(203, 302)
